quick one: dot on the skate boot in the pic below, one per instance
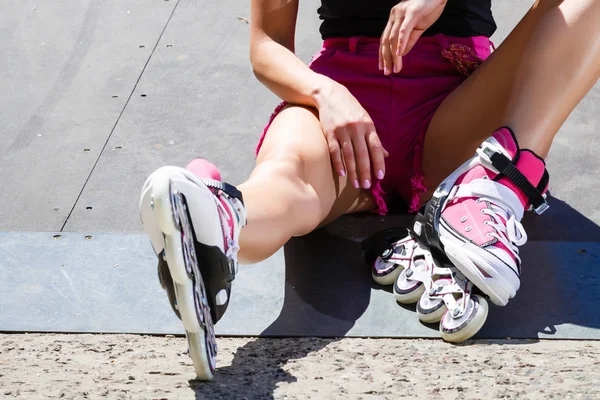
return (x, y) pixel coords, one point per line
(480, 214)
(193, 221)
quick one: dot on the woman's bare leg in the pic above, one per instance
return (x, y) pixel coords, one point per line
(293, 188)
(531, 83)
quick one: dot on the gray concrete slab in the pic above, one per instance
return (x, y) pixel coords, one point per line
(198, 97)
(202, 100)
(79, 282)
(68, 70)
(318, 286)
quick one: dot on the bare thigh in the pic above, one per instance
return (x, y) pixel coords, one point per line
(473, 111)
(296, 135)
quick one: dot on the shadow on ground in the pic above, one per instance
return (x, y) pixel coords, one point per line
(256, 370)
(328, 288)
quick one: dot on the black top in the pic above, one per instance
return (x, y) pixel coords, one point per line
(346, 18)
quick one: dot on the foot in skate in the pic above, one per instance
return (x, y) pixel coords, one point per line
(479, 227)
(193, 221)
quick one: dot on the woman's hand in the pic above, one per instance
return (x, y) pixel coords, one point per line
(353, 143)
(408, 20)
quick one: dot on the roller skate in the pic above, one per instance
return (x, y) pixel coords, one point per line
(468, 234)
(193, 221)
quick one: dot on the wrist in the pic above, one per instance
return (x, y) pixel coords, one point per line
(322, 88)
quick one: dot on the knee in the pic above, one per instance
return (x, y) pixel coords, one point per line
(296, 198)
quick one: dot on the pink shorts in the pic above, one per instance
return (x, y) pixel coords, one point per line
(401, 105)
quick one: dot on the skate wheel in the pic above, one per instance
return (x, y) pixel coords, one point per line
(431, 309)
(204, 360)
(384, 273)
(407, 291)
(456, 330)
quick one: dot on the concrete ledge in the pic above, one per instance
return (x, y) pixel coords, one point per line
(317, 286)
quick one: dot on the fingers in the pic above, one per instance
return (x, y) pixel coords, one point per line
(336, 155)
(398, 38)
(349, 160)
(412, 40)
(393, 46)
(378, 154)
(389, 52)
(385, 56)
(404, 35)
(342, 154)
(387, 49)
(360, 157)
(361, 152)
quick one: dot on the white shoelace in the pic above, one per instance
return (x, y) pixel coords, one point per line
(512, 235)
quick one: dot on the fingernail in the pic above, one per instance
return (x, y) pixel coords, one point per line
(395, 69)
(380, 174)
(386, 71)
(380, 66)
(356, 184)
(342, 173)
(366, 184)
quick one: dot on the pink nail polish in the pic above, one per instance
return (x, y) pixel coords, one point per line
(342, 173)
(366, 184)
(356, 184)
(386, 71)
(380, 174)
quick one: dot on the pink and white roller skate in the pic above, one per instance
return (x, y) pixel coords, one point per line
(468, 234)
(193, 221)
(480, 224)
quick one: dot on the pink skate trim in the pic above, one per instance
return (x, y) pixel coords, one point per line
(523, 151)
(465, 217)
(507, 139)
(204, 169)
(229, 222)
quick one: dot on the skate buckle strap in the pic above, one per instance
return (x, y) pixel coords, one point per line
(506, 167)
(228, 189)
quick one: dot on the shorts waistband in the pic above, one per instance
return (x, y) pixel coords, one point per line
(357, 44)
